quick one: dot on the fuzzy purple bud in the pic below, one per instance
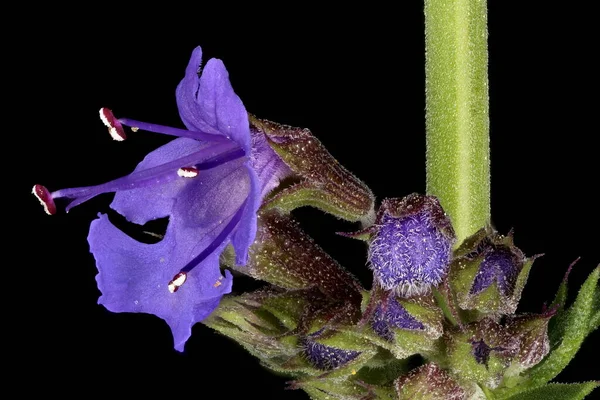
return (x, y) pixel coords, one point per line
(412, 244)
(393, 316)
(500, 264)
(326, 357)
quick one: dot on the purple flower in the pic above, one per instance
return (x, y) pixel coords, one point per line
(326, 357)
(411, 247)
(395, 316)
(209, 181)
(500, 264)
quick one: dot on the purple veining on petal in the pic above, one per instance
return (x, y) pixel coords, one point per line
(271, 169)
(394, 317)
(499, 264)
(409, 254)
(326, 357)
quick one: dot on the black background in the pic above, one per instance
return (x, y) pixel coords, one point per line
(355, 77)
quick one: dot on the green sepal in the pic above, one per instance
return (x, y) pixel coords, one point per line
(383, 368)
(285, 256)
(558, 391)
(352, 389)
(259, 332)
(531, 331)
(323, 182)
(576, 330)
(429, 382)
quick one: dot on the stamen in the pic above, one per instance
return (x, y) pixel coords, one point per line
(45, 198)
(114, 126)
(167, 130)
(218, 240)
(161, 174)
(177, 281)
(188, 172)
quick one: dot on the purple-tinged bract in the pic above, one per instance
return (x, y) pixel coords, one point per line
(411, 247)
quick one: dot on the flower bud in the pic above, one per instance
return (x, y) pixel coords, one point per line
(326, 357)
(532, 333)
(402, 326)
(488, 273)
(322, 181)
(481, 352)
(411, 245)
(429, 382)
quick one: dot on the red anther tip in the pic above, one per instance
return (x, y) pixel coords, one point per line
(177, 281)
(45, 198)
(114, 126)
(188, 172)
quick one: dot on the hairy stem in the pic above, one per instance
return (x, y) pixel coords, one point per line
(457, 102)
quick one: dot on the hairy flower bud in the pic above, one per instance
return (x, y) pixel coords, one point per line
(411, 245)
(532, 333)
(393, 316)
(402, 326)
(322, 182)
(488, 273)
(481, 352)
(429, 382)
(326, 357)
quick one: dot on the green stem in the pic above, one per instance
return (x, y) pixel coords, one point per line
(457, 102)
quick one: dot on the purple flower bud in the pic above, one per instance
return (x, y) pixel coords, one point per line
(326, 357)
(410, 250)
(481, 351)
(488, 273)
(391, 316)
(500, 264)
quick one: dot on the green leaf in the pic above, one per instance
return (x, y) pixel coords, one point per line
(576, 330)
(558, 391)
(556, 327)
(595, 319)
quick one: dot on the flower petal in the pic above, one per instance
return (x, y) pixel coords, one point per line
(142, 205)
(269, 167)
(133, 277)
(209, 104)
(244, 235)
